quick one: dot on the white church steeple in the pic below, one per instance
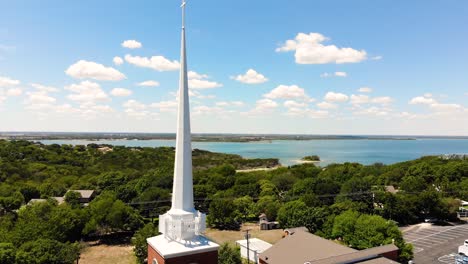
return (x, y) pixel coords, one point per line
(182, 221)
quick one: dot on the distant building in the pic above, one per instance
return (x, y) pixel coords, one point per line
(391, 189)
(265, 224)
(299, 246)
(86, 195)
(59, 200)
(255, 247)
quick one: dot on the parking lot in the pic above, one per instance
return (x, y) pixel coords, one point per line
(436, 244)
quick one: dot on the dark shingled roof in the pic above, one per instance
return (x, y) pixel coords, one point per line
(303, 247)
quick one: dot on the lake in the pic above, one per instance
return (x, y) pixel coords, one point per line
(289, 152)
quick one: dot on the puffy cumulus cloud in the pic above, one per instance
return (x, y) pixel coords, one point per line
(336, 97)
(166, 106)
(335, 74)
(309, 49)
(44, 88)
(149, 83)
(287, 92)
(91, 70)
(158, 63)
(6, 82)
(384, 100)
(294, 104)
(359, 99)
(203, 84)
(118, 60)
(365, 90)
(422, 100)
(86, 92)
(134, 104)
(138, 110)
(232, 103)
(121, 92)
(131, 44)
(196, 75)
(265, 105)
(199, 81)
(39, 98)
(326, 105)
(250, 77)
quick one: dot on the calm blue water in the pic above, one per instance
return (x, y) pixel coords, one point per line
(330, 151)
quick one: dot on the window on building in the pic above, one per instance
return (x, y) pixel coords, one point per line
(155, 261)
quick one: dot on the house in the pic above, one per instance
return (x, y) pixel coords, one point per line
(60, 200)
(265, 224)
(299, 246)
(86, 195)
(255, 247)
(391, 189)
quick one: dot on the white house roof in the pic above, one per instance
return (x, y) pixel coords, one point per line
(255, 244)
(463, 203)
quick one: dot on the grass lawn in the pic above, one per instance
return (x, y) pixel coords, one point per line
(221, 236)
(108, 254)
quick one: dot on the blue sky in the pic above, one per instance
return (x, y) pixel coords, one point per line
(320, 67)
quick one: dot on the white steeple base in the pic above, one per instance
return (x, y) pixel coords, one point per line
(181, 225)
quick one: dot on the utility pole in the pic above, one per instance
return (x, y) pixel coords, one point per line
(247, 236)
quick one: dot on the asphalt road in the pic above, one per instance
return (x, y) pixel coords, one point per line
(436, 244)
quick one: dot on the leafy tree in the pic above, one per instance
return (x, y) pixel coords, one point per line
(46, 251)
(228, 254)
(139, 241)
(7, 253)
(222, 214)
(244, 206)
(73, 198)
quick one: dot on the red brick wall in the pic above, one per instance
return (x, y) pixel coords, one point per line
(393, 255)
(200, 258)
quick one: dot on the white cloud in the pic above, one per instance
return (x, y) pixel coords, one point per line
(149, 83)
(199, 81)
(14, 92)
(336, 97)
(294, 104)
(121, 92)
(422, 100)
(195, 75)
(131, 44)
(158, 63)
(165, 106)
(327, 105)
(43, 88)
(118, 60)
(377, 58)
(134, 104)
(309, 49)
(232, 103)
(39, 98)
(373, 111)
(91, 70)
(6, 82)
(86, 92)
(359, 99)
(203, 84)
(335, 74)
(287, 92)
(446, 107)
(264, 105)
(365, 90)
(251, 77)
(382, 100)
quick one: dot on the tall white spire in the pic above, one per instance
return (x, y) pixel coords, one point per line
(182, 193)
(182, 221)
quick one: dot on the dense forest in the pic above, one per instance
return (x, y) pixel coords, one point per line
(347, 202)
